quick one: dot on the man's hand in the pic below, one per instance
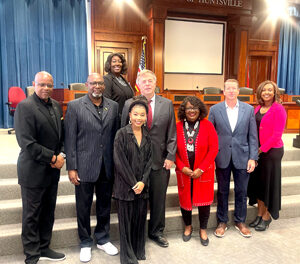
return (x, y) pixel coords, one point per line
(138, 188)
(187, 171)
(73, 177)
(168, 164)
(60, 161)
(250, 166)
(196, 173)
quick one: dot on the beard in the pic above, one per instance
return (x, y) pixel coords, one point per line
(97, 95)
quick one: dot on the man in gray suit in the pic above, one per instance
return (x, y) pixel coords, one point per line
(90, 126)
(162, 130)
(238, 148)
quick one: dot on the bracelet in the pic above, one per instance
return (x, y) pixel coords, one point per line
(54, 160)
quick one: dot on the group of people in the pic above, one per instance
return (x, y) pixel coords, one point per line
(121, 146)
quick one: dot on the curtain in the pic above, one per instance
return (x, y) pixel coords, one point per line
(38, 35)
(288, 76)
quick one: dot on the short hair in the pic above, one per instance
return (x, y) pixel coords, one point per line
(276, 92)
(139, 100)
(108, 62)
(232, 81)
(144, 72)
(196, 102)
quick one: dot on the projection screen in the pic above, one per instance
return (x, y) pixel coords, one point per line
(194, 46)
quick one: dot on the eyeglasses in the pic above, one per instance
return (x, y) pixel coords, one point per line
(96, 83)
(189, 109)
(43, 85)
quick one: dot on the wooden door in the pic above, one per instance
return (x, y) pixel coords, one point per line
(260, 70)
(104, 48)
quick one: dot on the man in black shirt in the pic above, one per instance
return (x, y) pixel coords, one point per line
(39, 131)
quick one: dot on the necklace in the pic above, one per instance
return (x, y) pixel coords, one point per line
(190, 142)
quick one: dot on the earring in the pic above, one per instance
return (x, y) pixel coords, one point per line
(130, 121)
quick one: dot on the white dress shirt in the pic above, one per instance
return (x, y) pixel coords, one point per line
(232, 114)
(152, 106)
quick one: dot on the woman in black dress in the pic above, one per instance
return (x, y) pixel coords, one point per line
(264, 186)
(116, 86)
(132, 158)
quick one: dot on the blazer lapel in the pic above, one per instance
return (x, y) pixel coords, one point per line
(120, 86)
(224, 115)
(157, 109)
(90, 106)
(240, 116)
(106, 108)
(58, 119)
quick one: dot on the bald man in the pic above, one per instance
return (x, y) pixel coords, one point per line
(39, 132)
(91, 124)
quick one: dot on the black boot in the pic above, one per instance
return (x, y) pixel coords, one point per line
(256, 221)
(263, 225)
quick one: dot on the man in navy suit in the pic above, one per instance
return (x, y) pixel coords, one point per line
(235, 124)
(90, 126)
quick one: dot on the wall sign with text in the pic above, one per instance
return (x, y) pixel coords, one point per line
(228, 3)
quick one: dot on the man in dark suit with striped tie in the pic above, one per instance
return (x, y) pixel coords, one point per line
(90, 126)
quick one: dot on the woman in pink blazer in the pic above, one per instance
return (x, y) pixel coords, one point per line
(264, 186)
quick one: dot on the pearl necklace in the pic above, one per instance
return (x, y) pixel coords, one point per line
(190, 142)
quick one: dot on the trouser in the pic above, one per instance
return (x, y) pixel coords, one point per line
(37, 219)
(241, 178)
(84, 198)
(203, 214)
(159, 180)
(132, 221)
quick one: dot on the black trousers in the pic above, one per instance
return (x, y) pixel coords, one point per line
(37, 220)
(159, 180)
(84, 199)
(132, 221)
(203, 214)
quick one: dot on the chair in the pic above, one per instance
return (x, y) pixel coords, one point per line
(29, 90)
(212, 90)
(77, 86)
(15, 96)
(246, 90)
(281, 90)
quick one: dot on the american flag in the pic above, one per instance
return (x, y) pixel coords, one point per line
(142, 64)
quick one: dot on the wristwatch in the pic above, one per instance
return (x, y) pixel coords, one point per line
(63, 155)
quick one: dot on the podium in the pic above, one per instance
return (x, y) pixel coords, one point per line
(63, 96)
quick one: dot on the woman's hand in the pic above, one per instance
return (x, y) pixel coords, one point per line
(259, 151)
(138, 188)
(187, 171)
(196, 173)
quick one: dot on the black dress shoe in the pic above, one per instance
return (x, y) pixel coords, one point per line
(49, 254)
(160, 240)
(204, 242)
(263, 225)
(256, 221)
(186, 238)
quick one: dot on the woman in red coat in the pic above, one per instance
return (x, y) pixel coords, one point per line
(197, 148)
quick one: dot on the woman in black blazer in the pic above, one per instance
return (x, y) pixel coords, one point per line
(132, 159)
(116, 86)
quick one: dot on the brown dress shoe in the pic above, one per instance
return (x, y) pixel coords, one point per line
(220, 230)
(243, 229)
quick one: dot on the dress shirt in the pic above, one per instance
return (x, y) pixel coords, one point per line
(232, 114)
(152, 105)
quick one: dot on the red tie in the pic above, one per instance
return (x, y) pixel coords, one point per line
(149, 117)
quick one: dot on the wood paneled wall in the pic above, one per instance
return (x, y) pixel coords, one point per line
(251, 41)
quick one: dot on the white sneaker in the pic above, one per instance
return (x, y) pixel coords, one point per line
(109, 248)
(85, 254)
